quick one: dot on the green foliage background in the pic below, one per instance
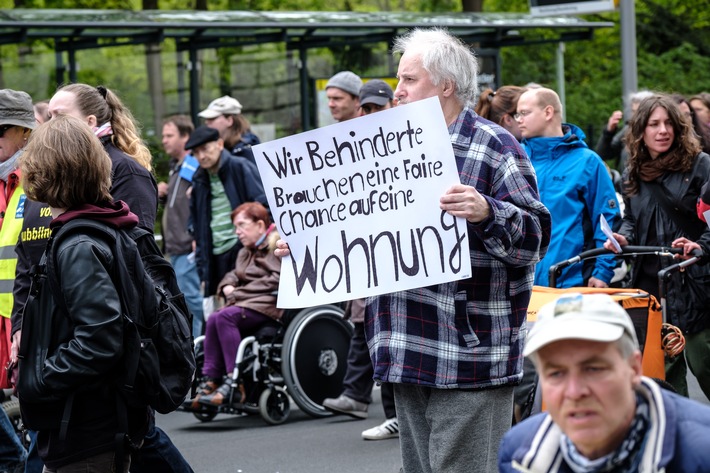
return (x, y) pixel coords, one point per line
(672, 39)
(673, 43)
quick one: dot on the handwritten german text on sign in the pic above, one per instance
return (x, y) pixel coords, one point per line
(358, 204)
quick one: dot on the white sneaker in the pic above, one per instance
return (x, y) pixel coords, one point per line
(387, 430)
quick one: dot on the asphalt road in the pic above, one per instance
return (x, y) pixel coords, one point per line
(300, 445)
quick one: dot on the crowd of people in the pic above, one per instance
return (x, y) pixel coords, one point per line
(447, 357)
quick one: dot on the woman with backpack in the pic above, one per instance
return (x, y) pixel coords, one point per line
(133, 183)
(68, 358)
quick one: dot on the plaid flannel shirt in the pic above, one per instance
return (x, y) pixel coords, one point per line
(470, 333)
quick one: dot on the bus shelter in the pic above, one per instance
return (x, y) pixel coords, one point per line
(71, 31)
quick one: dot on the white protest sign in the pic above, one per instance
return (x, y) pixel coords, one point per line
(358, 204)
(606, 229)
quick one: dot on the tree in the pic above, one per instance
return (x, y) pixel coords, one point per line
(154, 67)
(672, 57)
(472, 5)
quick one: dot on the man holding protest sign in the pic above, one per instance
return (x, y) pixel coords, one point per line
(355, 203)
(454, 350)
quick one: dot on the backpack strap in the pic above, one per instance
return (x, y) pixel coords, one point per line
(124, 269)
(72, 227)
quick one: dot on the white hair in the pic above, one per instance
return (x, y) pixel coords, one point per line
(444, 57)
(635, 98)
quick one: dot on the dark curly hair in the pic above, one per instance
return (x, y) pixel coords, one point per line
(683, 150)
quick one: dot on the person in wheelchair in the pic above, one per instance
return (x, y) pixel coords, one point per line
(249, 293)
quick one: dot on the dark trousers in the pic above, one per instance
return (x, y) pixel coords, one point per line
(12, 453)
(101, 463)
(158, 453)
(696, 356)
(358, 382)
(34, 462)
(387, 392)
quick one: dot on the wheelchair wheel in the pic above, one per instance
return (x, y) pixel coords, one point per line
(274, 405)
(314, 354)
(12, 409)
(206, 414)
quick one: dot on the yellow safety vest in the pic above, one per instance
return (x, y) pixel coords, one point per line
(9, 233)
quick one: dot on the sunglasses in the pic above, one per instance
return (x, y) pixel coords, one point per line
(3, 129)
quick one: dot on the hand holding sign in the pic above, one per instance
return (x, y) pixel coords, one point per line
(609, 234)
(358, 204)
(465, 202)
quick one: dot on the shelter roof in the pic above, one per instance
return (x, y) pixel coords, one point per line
(83, 28)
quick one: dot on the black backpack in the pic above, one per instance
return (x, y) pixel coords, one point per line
(158, 361)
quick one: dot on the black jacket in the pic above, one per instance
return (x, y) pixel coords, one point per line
(242, 148)
(242, 183)
(611, 147)
(133, 184)
(646, 223)
(30, 247)
(83, 354)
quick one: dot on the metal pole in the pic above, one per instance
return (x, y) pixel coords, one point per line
(59, 67)
(194, 85)
(305, 95)
(72, 65)
(629, 76)
(182, 106)
(498, 68)
(561, 77)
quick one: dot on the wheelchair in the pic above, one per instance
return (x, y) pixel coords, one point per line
(303, 357)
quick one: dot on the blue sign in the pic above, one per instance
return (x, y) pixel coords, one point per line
(189, 167)
(20, 212)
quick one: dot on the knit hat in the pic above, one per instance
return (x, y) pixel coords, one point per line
(224, 105)
(346, 81)
(16, 109)
(594, 317)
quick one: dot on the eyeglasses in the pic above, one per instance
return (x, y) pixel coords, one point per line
(521, 114)
(3, 129)
(243, 225)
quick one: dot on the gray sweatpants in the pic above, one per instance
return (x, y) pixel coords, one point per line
(452, 430)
